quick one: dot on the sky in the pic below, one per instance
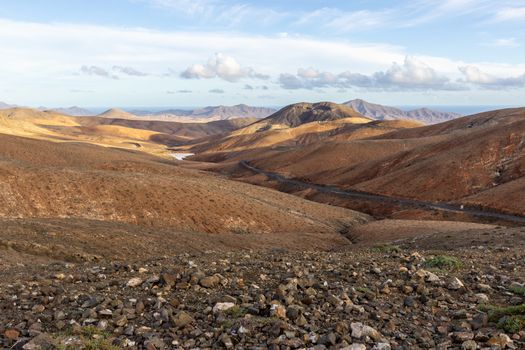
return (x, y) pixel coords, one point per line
(266, 53)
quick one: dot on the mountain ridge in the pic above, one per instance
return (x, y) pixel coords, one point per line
(220, 112)
(382, 112)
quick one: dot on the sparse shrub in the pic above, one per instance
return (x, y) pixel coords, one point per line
(236, 312)
(240, 230)
(444, 262)
(91, 337)
(386, 248)
(90, 331)
(512, 324)
(497, 312)
(364, 290)
(518, 290)
(100, 344)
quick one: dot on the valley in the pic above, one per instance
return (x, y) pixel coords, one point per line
(186, 210)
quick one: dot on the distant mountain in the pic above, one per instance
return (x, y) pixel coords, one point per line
(4, 105)
(115, 113)
(381, 112)
(214, 112)
(73, 111)
(301, 113)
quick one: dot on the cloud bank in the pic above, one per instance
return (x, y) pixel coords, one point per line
(412, 74)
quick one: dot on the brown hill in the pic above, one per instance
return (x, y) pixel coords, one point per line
(41, 179)
(115, 113)
(302, 113)
(473, 160)
(298, 124)
(149, 136)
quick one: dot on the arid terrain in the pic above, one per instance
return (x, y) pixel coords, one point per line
(108, 242)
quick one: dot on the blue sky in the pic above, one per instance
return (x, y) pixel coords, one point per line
(205, 52)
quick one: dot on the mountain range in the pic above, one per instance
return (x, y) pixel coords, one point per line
(212, 112)
(4, 105)
(73, 111)
(381, 112)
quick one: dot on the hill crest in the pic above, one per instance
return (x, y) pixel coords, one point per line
(381, 112)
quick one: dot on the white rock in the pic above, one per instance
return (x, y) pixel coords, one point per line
(432, 277)
(357, 329)
(382, 346)
(482, 298)
(360, 330)
(222, 307)
(355, 347)
(134, 282)
(455, 284)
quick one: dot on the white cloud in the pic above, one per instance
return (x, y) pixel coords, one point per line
(129, 71)
(510, 14)
(217, 91)
(221, 66)
(413, 74)
(474, 75)
(97, 71)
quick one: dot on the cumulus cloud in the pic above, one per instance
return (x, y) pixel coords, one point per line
(474, 75)
(221, 66)
(97, 71)
(217, 91)
(413, 74)
(129, 71)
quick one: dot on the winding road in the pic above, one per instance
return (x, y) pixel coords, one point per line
(446, 207)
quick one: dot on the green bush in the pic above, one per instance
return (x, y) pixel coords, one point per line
(444, 262)
(518, 290)
(497, 312)
(386, 248)
(512, 324)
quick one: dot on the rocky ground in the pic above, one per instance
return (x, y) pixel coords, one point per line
(384, 297)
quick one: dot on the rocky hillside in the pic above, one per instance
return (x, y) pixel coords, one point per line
(302, 113)
(383, 298)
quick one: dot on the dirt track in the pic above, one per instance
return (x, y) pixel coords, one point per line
(403, 202)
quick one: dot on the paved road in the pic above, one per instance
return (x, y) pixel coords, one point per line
(413, 203)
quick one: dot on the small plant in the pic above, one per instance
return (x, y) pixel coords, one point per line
(91, 338)
(364, 290)
(90, 331)
(386, 248)
(512, 324)
(264, 321)
(518, 290)
(497, 312)
(100, 344)
(444, 262)
(239, 230)
(236, 312)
